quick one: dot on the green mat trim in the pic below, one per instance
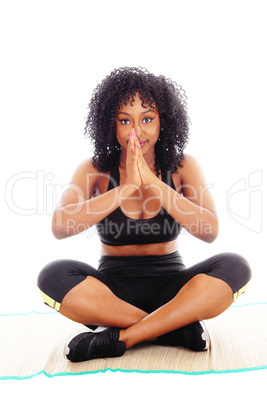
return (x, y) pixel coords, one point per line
(135, 371)
(131, 371)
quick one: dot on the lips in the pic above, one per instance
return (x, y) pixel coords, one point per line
(142, 143)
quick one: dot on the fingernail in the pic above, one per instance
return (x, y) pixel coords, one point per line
(132, 132)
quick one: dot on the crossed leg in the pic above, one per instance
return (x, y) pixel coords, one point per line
(203, 291)
(92, 302)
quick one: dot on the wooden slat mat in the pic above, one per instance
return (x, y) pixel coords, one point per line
(33, 343)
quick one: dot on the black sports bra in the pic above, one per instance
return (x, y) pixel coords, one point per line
(117, 229)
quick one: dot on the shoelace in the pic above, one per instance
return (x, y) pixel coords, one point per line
(103, 349)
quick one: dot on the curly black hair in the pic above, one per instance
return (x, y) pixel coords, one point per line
(113, 92)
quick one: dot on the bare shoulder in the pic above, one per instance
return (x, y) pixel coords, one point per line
(83, 171)
(192, 170)
(186, 174)
(86, 166)
(88, 178)
(189, 161)
(82, 183)
(194, 184)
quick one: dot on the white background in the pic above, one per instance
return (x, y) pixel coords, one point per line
(53, 54)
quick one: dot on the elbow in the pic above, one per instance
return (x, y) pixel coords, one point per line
(206, 232)
(210, 238)
(212, 232)
(58, 233)
(58, 228)
(69, 227)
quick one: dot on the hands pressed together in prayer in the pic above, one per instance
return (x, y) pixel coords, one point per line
(138, 171)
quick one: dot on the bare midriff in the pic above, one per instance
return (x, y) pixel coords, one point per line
(140, 249)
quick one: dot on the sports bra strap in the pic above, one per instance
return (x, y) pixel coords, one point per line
(114, 179)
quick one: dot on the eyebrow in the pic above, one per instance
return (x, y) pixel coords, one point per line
(146, 111)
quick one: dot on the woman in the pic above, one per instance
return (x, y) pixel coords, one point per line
(139, 189)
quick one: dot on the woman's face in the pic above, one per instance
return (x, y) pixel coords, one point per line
(145, 121)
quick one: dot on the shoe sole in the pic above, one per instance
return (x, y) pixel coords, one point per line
(66, 349)
(205, 335)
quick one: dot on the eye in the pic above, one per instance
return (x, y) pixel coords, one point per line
(147, 120)
(124, 121)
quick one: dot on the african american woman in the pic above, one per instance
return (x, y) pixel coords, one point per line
(139, 190)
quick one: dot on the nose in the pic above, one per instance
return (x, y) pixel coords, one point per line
(137, 129)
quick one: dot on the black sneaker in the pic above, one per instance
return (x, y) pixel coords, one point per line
(93, 345)
(194, 337)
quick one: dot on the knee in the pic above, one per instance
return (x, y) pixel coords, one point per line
(238, 264)
(58, 277)
(55, 280)
(47, 285)
(47, 276)
(237, 269)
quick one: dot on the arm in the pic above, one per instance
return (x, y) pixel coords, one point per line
(194, 210)
(78, 209)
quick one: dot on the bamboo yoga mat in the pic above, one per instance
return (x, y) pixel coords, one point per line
(33, 344)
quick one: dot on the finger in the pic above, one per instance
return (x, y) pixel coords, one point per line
(137, 143)
(131, 152)
(133, 141)
(135, 149)
(138, 148)
(130, 142)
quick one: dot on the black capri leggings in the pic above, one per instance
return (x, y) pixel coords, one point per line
(146, 282)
